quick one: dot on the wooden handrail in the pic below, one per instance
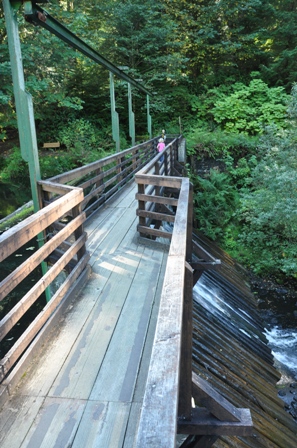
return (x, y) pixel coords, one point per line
(167, 407)
(103, 178)
(68, 202)
(159, 416)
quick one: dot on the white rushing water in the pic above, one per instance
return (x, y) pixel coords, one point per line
(281, 341)
(283, 344)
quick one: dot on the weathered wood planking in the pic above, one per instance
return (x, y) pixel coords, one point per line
(156, 216)
(80, 172)
(158, 199)
(94, 431)
(17, 419)
(56, 424)
(41, 375)
(125, 350)
(51, 145)
(208, 397)
(127, 199)
(79, 373)
(112, 233)
(159, 414)
(185, 388)
(97, 238)
(159, 181)
(204, 423)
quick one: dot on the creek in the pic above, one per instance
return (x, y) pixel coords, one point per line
(278, 309)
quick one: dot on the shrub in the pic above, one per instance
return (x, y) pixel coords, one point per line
(215, 200)
(268, 212)
(245, 109)
(16, 170)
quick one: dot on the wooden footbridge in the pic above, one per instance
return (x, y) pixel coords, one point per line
(108, 361)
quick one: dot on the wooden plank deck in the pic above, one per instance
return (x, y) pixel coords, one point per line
(85, 389)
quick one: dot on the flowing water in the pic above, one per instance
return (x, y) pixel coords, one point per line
(278, 308)
(283, 343)
(278, 311)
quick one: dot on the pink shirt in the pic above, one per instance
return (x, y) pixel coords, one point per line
(160, 146)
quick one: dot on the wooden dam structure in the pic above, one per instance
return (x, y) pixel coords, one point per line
(121, 355)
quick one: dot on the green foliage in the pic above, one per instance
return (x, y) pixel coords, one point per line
(215, 201)
(281, 68)
(82, 140)
(52, 165)
(268, 211)
(240, 170)
(222, 39)
(218, 144)
(243, 108)
(16, 170)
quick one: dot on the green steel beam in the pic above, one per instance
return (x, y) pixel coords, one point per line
(114, 115)
(38, 16)
(24, 111)
(149, 118)
(131, 115)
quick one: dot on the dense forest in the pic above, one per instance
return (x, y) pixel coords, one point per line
(224, 69)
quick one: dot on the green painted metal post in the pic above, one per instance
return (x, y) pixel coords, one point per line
(24, 109)
(131, 115)
(114, 114)
(149, 118)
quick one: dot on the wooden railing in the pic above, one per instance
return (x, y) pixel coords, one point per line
(167, 408)
(167, 199)
(101, 179)
(66, 201)
(69, 238)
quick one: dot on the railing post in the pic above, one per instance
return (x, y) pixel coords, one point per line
(185, 391)
(141, 206)
(185, 388)
(189, 249)
(76, 211)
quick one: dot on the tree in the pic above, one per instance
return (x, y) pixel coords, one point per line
(281, 67)
(223, 40)
(268, 211)
(141, 36)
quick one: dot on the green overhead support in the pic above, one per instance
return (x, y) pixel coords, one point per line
(38, 16)
(114, 115)
(23, 101)
(149, 118)
(131, 115)
(24, 110)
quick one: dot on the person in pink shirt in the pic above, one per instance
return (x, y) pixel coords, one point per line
(160, 147)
